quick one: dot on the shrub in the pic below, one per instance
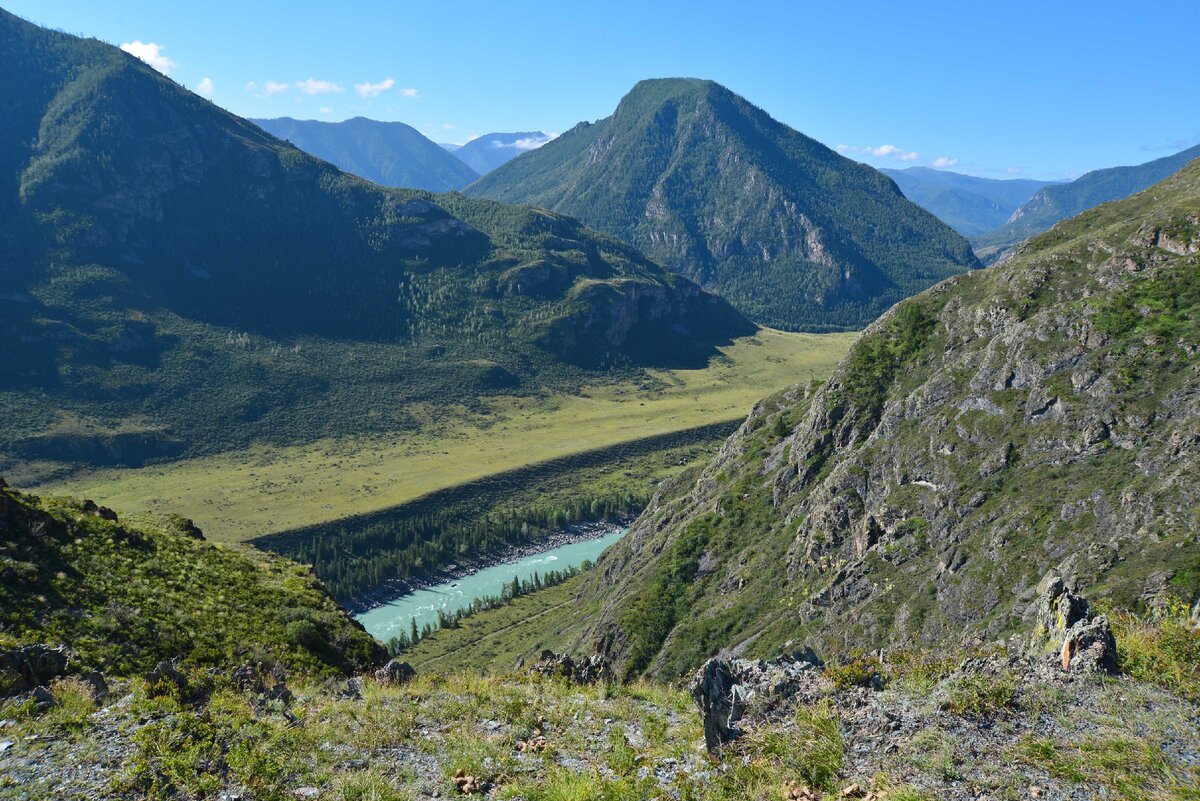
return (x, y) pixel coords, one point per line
(863, 670)
(1163, 650)
(981, 695)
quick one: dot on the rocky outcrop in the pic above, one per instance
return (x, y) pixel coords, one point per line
(395, 672)
(589, 670)
(1065, 627)
(723, 687)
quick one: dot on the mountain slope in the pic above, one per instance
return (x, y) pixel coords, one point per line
(387, 153)
(1039, 415)
(1060, 201)
(124, 598)
(174, 279)
(490, 151)
(790, 232)
(968, 204)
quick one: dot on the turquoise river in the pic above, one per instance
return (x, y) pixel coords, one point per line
(387, 621)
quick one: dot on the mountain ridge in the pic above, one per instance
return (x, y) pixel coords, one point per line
(968, 204)
(1007, 425)
(1061, 201)
(490, 151)
(387, 153)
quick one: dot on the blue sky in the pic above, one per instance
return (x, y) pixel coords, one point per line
(1044, 89)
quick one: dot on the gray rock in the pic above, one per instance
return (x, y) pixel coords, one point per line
(717, 693)
(43, 700)
(166, 671)
(1065, 626)
(395, 672)
(589, 670)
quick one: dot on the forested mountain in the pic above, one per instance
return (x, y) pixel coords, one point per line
(1060, 201)
(490, 151)
(387, 153)
(968, 204)
(174, 279)
(1037, 416)
(793, 234)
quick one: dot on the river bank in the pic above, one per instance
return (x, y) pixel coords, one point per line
(398, 588)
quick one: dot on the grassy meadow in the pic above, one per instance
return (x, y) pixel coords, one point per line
(263, 489)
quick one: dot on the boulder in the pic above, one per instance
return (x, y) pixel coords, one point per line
(166, 672)
(1065, 627)
(395, 672)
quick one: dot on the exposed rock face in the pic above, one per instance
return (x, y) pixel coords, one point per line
(1040, 415)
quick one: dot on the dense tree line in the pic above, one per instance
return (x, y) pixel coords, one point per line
(451, 620)
(356, 557)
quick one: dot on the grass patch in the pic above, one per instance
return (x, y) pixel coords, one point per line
(981, 695)
(1163, 651)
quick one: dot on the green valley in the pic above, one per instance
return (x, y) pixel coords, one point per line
(267, 489)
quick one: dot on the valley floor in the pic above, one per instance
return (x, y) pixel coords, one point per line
(264, 490)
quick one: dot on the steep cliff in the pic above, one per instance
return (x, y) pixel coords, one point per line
(1040, 415)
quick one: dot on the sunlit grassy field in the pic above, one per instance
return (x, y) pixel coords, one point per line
(265, 489)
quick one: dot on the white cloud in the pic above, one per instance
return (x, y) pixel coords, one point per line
(269, 88)
(315, 87)
(326, 110)
(151, 53)
(944, 161)
(368, 89)
(883, 152)
(529, 143)
(891, 151)
(447, 126)
(410, 92)
(205, 87)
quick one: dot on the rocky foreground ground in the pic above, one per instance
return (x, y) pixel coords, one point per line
(904, 727)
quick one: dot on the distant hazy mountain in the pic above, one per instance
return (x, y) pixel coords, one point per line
(495, 149)
(450, 146)
(1060, 201)
(967, 204)
(790, 232)
(388, 153)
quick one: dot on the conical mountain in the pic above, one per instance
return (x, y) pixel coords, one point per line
(790, 232)
(175, 279)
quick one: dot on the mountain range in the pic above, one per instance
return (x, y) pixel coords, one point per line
(485, 153)
(1060, 201)
(968, 204)
(175, 279)
(386, 153)
(793, 234)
